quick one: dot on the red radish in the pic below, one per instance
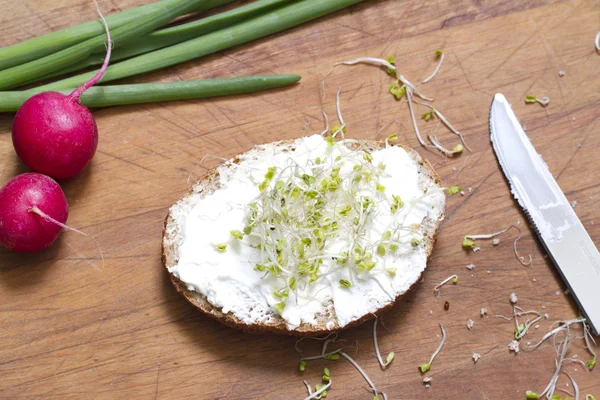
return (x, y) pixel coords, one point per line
(33, 210)
(55, 134)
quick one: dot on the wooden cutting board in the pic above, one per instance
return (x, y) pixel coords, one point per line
(73, 328)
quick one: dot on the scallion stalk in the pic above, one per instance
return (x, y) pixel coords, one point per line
(272, 22)
(41, 46)
(15, 76)
(173, 35)
(105, 96)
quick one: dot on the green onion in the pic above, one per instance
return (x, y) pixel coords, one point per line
(173, 35)
(105, 96)
(41, 46)
(15, 76)
(255, 28)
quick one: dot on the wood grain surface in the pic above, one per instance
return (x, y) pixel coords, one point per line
(72, 328)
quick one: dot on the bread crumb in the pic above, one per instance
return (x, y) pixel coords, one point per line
(427, 379)
(513, 298)
(454, 169)
(462, 192)
(483, 312)
(561, 73)
(469, 189)
(558, 293)
(495, 241)
(476, 249)
(534, 280)
(470, 324)
(476, 357)
(574, 202)
(543, 306)
(537, 326)
(489, 272)
(430, 312)
(471, 267)
(330, 325)
(546, 316)
(514, 346)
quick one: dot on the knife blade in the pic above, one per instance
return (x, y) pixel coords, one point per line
(551, 215)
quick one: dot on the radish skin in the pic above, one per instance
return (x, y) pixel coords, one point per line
(22, 230)
(56, 135)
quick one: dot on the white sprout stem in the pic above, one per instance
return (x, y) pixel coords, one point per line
(439, 348)
(452, 128)
(544, 101)
(360, 370)
(575, 387)
(337, 103)
(553, 332)
(412, 116)
(381, 363)
(318, 392)
(587, 336)
(549, 390)
(440, 147)
(597, 42)
(437, 288)
(312, 338)
(577, 361)
(326, 119)
(435, 71)
(308, 387)
(565, 390)
(322, 355)
(519, 257)
(464, 165)
(487, 235)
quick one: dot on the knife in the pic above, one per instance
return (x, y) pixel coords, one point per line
(552, 217)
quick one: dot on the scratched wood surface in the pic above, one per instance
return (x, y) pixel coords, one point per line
(72, 328)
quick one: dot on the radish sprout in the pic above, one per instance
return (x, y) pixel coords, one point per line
(575, 387)
(339, 111)
(362, 372)
(426, 367)
(390, 356)
(469, 241)
(455, 150)
(436, 289)
(319, 391)
(544, 101)
(439, 53)
(436, 112)
(307, 387)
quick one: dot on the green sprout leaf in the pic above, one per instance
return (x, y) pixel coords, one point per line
(326, 374)
(531, 395)
(455, 280)
(397, 91)
(376, 397)
(591, 363)
(458, 148)
(452, 190)
(390, 357)
(292, 283)
(345, 283)
(415, 242)
(392, 137)
(439, 52)
(337, 128)
(367, 157)
(468, 243)
(519, 330)
(330, 140)
(392, 61)
(391, 271)
(393, 247)
(379, 187)
(332, 357)
(221, 248)
(424, 367)
(429, 115)
(396, 203)
(529, 99)
(319, 387)
(302, 366)
(280, 307)
(236, 234)
(381, 250)
(381, 166)
(387, 235)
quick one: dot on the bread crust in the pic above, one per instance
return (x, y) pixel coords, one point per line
(209, 184)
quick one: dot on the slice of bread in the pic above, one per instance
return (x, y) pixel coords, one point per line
(325, 319)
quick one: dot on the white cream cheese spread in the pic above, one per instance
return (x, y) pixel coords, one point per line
(340, 237)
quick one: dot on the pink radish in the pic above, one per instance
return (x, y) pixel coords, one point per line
(33, 210)
(55, 134)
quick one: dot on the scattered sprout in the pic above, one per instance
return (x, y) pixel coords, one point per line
(591, 363)
(529, 99)
(452, 190)
(458, 148)
(426, 367)
(453, 278)
(589, 396)
(302, 366)
(390, 356)
(469, 242)
(221, 248)
(544, 101)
